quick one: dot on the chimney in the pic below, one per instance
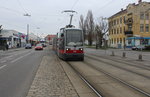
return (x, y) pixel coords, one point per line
(140, 1)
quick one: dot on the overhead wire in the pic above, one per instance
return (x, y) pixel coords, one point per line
(106, 5)
(74, 4)
(10, 9)
(21, 6)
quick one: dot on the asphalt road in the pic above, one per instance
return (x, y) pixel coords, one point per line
(17, 70)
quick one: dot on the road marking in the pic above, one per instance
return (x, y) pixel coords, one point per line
(19, 58)
(3, 66)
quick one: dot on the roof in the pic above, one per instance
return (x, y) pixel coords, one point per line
(118, 13)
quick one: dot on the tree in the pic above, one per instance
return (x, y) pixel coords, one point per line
(90, 27)
(101, 29)
(82, 25)
(0, 28)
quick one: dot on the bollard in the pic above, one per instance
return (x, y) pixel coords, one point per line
(113, 54)
(140, 57)
(124, 54)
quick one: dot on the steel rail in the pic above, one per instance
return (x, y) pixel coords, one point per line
(120, 80)
(86, 81)
(107, 63)
(123, 61)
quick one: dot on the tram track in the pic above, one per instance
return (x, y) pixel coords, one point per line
(86, 81)
(120, 80)
(122, 68)
(146, 67)
(97, 89)
(83, 79)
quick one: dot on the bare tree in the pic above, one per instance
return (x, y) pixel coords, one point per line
(101, 29)
(82, 25)
(90, 26)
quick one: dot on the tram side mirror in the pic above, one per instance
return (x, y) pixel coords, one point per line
(62, 35)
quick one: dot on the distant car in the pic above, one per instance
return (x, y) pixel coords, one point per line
(44, 45)
(138, 47)
(39, 47)
(28, 46)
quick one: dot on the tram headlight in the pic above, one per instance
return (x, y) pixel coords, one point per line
(67, 49)
(81, 49)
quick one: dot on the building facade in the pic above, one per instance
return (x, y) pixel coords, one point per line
(49, 38)
(12, 38)
(130, 27)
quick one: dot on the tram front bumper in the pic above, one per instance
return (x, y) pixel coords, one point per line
(73, 55)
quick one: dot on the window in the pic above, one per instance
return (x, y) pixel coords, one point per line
(117, 21)
(147, 16)
(129, 27)
(114, 22)
(74, 37)
(124, 29)
(142, 15)
(129, 41)
(120, 40)
(115, 41)
(114, 31)
(120, 30)
(124, 19)
(121, 20)
(141, 27)
(117, 31)
(112, 41)
(110, 24)
(147, 27)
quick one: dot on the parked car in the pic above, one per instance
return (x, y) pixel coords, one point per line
(138, 47)
(39, 47)
(28, 46)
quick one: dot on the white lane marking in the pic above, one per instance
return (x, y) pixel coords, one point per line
(19, 58)
(3, 66)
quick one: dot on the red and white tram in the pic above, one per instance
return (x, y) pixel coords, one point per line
(69, 44)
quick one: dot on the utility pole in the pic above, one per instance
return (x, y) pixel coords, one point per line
(27, 33)
(28, 15)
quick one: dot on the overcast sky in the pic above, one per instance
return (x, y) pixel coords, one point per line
(47, 14)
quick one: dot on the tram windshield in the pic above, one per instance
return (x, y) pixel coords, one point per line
(74, 38)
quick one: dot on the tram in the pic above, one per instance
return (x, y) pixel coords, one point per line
(69, 43)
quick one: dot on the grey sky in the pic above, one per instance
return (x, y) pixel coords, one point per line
(47, 15)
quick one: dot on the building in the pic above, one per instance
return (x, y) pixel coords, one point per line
(130, 27)
(12, 38)
(49, 38)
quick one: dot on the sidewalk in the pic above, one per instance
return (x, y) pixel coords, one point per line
(51, 80)
(12, 49)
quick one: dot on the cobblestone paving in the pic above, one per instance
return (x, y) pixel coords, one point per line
(51, 80)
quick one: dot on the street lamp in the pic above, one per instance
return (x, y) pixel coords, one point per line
(28, 15)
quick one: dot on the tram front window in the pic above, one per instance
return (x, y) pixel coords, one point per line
(74, 38)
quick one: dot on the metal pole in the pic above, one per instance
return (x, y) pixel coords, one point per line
(71, 19)
(27, 33)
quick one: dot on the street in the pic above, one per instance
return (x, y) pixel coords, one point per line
(17, 70)
(30, 73)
